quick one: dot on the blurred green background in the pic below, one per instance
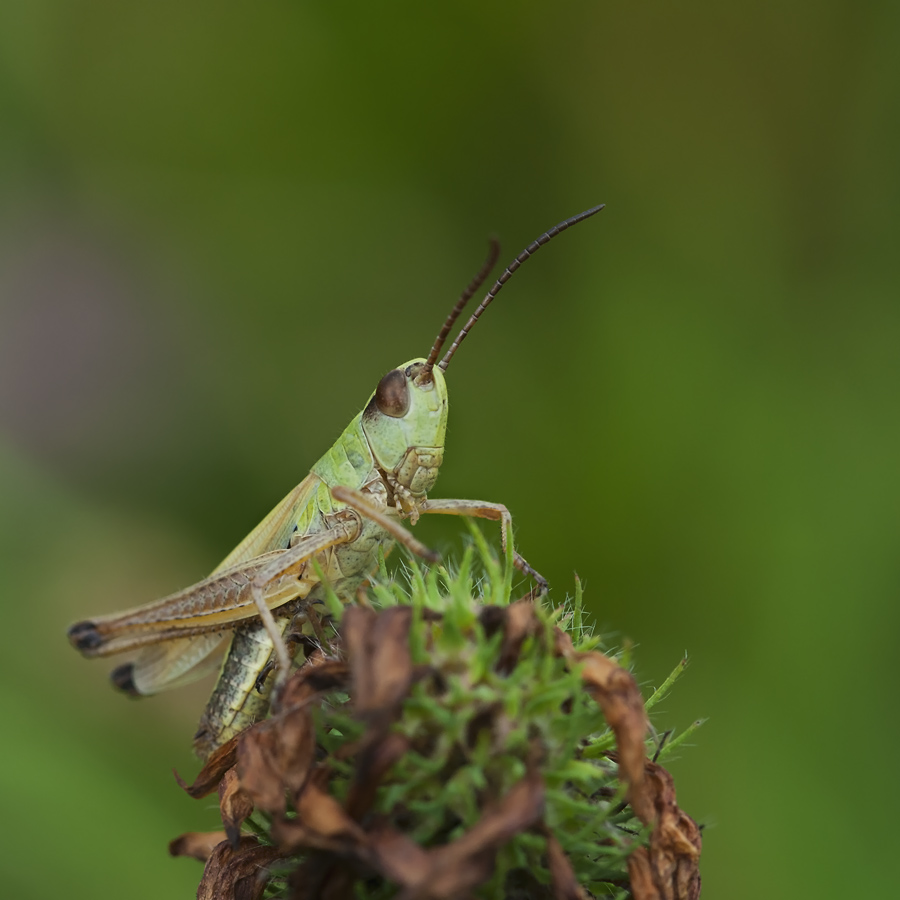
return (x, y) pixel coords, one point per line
(220, 225)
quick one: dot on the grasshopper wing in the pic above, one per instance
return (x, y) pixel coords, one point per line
(170, 664)
(276, 529)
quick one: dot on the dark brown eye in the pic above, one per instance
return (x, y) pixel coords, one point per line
(392, 394)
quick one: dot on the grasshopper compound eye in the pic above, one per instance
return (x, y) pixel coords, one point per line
(392, 394)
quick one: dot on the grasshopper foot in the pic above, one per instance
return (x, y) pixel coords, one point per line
(84, 636)
(122, 678)
(522, 565)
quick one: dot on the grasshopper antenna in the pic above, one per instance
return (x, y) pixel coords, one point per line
(477, 281)
(532, 248)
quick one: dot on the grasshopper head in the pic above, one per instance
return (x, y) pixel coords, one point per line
(406, 419)
(405, 423)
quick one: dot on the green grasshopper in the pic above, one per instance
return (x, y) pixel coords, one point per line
(332, 524)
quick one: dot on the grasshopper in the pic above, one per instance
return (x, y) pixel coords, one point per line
(332, 524)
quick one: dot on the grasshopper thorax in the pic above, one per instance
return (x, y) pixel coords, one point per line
(405, 423)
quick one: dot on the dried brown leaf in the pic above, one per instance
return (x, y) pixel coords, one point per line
(398, 857)
(373, 762)
(219, 762)
(296, 747)
(640, 876)
(275, 756)
(234, 805)
(668, 870)
(321, 823)
(293, 836)
(198, 844)
(675, 844)
(456, 868)
(259, 770)
(563, 883)
(236, 874)
(324, 815)
(319, 674)
(378, 649)
(619, 697)
(519, 810)
(521, 622)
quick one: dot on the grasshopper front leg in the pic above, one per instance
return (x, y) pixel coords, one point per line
(357, 500)
(495, 512)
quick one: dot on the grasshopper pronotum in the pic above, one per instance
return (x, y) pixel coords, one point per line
(351, 504)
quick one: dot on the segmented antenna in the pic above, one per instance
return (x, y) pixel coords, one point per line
(477, 281)
(533, 247)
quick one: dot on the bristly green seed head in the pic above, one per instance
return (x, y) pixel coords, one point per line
(405, 422)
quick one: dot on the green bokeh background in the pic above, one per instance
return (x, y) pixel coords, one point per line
(220, 225)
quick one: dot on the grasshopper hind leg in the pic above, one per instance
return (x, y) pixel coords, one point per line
(122, 678)
(85, 636)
